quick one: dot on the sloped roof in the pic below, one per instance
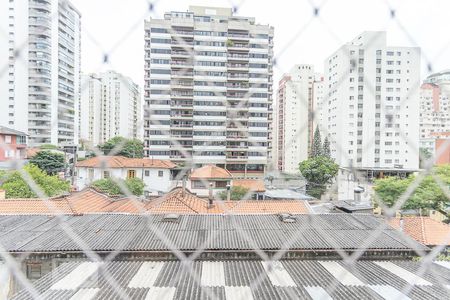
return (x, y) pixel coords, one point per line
(7, 130)
(236, 279)
(125, 162)
(186, 203)
(254, 185)
(89, 201)
(210, 172)
(189, 232)
(424, 230)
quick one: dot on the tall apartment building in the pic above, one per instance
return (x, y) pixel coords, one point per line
(208, 89)
(110, 105)
(40, 69)
(295, 103)
(434, 109)
(372, 91)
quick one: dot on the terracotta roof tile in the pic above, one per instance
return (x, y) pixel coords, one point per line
(125, 162)
(254, 185)
(424, 230)
(90, 201)
(210, 172)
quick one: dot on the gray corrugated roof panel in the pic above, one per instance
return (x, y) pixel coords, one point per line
(287, 279)
(214, 232)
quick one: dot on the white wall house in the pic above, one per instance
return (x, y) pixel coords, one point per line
(156, 174)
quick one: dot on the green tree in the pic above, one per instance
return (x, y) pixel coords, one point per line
(326, 148)
(50, 162)
(112, 188)
(428, 195)
(319, 172)
(132, 148)
(16, 186)
(424, 156)
(316, 149)
(48, 147)
(237, 193)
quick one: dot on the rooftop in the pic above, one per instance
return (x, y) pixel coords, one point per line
(90, 201)
(245, 279)
(125, 162)
(210, 172)
(254, 185)
(307, 234)
(7, 130)
(424, 230)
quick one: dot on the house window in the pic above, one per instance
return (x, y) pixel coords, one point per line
(131, 174)
(21, 139)
(106, 174)
(197, 184)
(91, 174)
(7, 139)
(34, 271)
(147, 173)
(221, 184)
(160, 173)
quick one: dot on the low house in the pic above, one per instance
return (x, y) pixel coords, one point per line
(157, 174)
(209, 176)
(425, 230)
(13, 144)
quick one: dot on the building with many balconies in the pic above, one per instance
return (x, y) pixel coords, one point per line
(208, 89)
(40, 51)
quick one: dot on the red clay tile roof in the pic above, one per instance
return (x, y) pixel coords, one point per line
(424, 230)
(210, 172)
(254, 185)
(125, 162)
(90, 201)
(175, 202)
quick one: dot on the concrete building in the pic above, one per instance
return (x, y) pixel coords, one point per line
(40, 86)
(208, 89)
(156, 174)
(295, 103)
(372, 98)
(110, 106)
(434, 110)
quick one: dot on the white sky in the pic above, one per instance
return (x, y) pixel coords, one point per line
(108, 22)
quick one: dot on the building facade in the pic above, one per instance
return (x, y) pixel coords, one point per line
(110, 105)
(41, 85)
(295, 125)
(434, 110)
(13, 145)
(208, 89)
(372, 104)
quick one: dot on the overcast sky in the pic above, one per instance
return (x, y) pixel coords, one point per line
(119, 24)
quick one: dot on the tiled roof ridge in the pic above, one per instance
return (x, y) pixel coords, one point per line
(422, 229)
(180, 198)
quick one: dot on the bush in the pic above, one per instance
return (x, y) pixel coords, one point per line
(16, 187)
(111, 187)
(237, 193)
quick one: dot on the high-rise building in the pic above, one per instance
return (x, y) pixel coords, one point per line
(295, 103)
(372, 99)
(110, 105)
(40, 69)
(208, 89)
(434, 109)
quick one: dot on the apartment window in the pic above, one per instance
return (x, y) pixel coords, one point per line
(131, 174)
(106, 174)
(160, 173)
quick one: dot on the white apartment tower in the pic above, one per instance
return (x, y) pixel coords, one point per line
(110, 105)
(372, 104)
(40, 69)
(208, 89)
(295, 103)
